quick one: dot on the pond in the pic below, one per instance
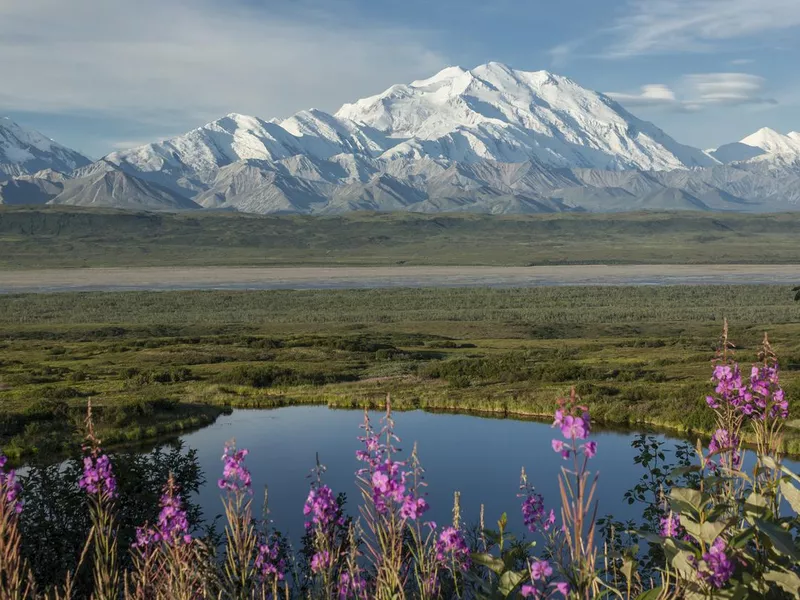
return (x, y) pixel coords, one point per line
(480, 457)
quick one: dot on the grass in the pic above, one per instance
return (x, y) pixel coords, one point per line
(162, 362)
(59, 237)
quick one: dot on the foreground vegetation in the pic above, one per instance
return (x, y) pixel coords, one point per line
(156, 363)
(41, 237)
(711, 530)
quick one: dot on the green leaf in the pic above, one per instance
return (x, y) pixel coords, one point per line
(509, 582)
(653, 594)
(786, 579)
(680, 561)
(489, 561)
(781, 540)
(688, 496)
(792, 495)
(681, 508)
(710, 531)
(790, 473)
(741, 539)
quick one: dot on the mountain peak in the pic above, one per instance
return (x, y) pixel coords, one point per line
(25, 151)
(774, 142)
(498, 113)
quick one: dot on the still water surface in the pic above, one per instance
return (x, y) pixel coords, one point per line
(480, 457)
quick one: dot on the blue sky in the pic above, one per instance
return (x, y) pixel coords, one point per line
(99, 75)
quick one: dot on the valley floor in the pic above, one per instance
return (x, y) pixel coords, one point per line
(266, 278)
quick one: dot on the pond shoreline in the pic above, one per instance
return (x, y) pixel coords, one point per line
(172, 432)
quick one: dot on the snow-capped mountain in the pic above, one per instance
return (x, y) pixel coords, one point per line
(490, 139)
(764, 144)
(772, 142)
(497, 113)
(491, 112)
(24, 152)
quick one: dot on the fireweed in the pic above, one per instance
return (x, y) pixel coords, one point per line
(240, 533)
(578, 507)
(722, 538)
(325, 522)
(15, 577)
(100, 485)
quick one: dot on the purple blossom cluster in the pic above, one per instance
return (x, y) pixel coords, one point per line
(98, 476)
(671, 527)
(235, 476)
(723, 441)
(172, 521)
(451, 548)
(321, 508)
(388, 485)
(268, 563)
(413, 508)
(765, 392)
(575, 424)
(173, 524)
(716, 568)
(10, 486)
(538, 587)
(321, 561)
(534, 515)
(756, 398)
(351, 587)
(388, 477)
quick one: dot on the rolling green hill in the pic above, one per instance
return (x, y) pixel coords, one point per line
(41, 237)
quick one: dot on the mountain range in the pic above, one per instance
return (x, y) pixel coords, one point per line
(490, 139)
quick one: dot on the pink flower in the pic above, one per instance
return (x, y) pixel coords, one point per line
(590, 449)
(541, 569)
(563, 588)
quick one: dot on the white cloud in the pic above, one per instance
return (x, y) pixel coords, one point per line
(727, 88)
(180, 63)
(669, 26)
(699, 91)
(654, 94)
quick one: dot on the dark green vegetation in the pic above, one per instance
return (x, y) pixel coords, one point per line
(56, 520)
(39, 237)
(159, 362)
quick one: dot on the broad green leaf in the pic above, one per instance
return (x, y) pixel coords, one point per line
(742, 538)
(653, 594)
(710, 531)
(755, 507)
(680, 562)
(648, 536)
(509, 582)
(681, 507)
(781, 540)
(691, 497)
(489, 561)
(769, 462)
(786, 579)
(790, 473)
(792, 495)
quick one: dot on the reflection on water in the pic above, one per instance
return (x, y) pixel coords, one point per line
(480, 457)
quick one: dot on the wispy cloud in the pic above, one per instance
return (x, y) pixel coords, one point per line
(727, 88)
(670, 26)
(654, 94)
(180, 63)
(699, 91)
